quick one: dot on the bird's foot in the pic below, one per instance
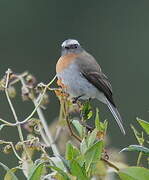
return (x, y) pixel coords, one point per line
(75, 99)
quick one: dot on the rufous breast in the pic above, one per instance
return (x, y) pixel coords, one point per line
(65, 61)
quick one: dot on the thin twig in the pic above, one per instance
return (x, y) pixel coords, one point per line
(50, 141)
(110, 164)
(139, 158)
(66, 114)
(46, 129)
(34, 110)
(42, 133)
(39, 102)
(17, 79)
(15, 152)
(14, 113)
(13, 148)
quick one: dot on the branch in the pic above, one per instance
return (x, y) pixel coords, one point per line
(14, 113)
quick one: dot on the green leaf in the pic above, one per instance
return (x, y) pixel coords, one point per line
(80, 129)
(90, 114)
(100, 126)
(93, 154)
(137, 148)
(71, 152)
(58, 163)
(105, 124)
(78, 171)
(134, 173)
(36, 172)
(65, 164)
(28, 166)
(97, 120)
(60, 171)
(10, 174)
(138, 136)
(87, 111)
(144, 125)
(83, 146)
(92, 138)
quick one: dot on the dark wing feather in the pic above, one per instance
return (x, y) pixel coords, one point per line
(100, 81)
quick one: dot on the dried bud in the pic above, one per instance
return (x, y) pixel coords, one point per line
(30, 137)
(61, 94)
(28, 127)
(25, 93)
(7, 149)
(45, 100)
(2, 84)
(9, 71)
(39, 88)
(31, 124)
(31, 81)
(11, 91)
(44, 157)
(18, 146)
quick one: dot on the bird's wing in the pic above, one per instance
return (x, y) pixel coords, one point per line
(99, 81)
(91, 70)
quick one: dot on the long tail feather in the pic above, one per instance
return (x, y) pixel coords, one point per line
(116, 115)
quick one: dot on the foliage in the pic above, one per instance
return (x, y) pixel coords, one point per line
(82, 160)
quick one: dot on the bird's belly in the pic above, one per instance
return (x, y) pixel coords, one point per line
(77, 85)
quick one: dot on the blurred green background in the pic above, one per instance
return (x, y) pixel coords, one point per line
(117, 34)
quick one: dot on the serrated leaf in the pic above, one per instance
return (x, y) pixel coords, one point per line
(36, 172)
(144, 125)
(71, 152)
(78, 171)
(93, 154)
(60, 171)
(136, 148)
(10, 174)
(134, 173)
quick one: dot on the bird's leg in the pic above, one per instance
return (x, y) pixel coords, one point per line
(75, 99)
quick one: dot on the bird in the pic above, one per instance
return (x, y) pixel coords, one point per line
(80, 76)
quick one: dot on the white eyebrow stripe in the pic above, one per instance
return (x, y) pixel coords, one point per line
(69, 42)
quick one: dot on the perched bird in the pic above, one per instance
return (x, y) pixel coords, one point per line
(81, 77)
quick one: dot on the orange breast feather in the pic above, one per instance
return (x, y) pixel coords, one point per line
(64, 62)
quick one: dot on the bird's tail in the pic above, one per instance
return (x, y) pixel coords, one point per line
(116, 115)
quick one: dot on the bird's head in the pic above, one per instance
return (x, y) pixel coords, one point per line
(71, 46)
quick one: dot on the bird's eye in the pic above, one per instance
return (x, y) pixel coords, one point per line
(67, 47)
(72, 46)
